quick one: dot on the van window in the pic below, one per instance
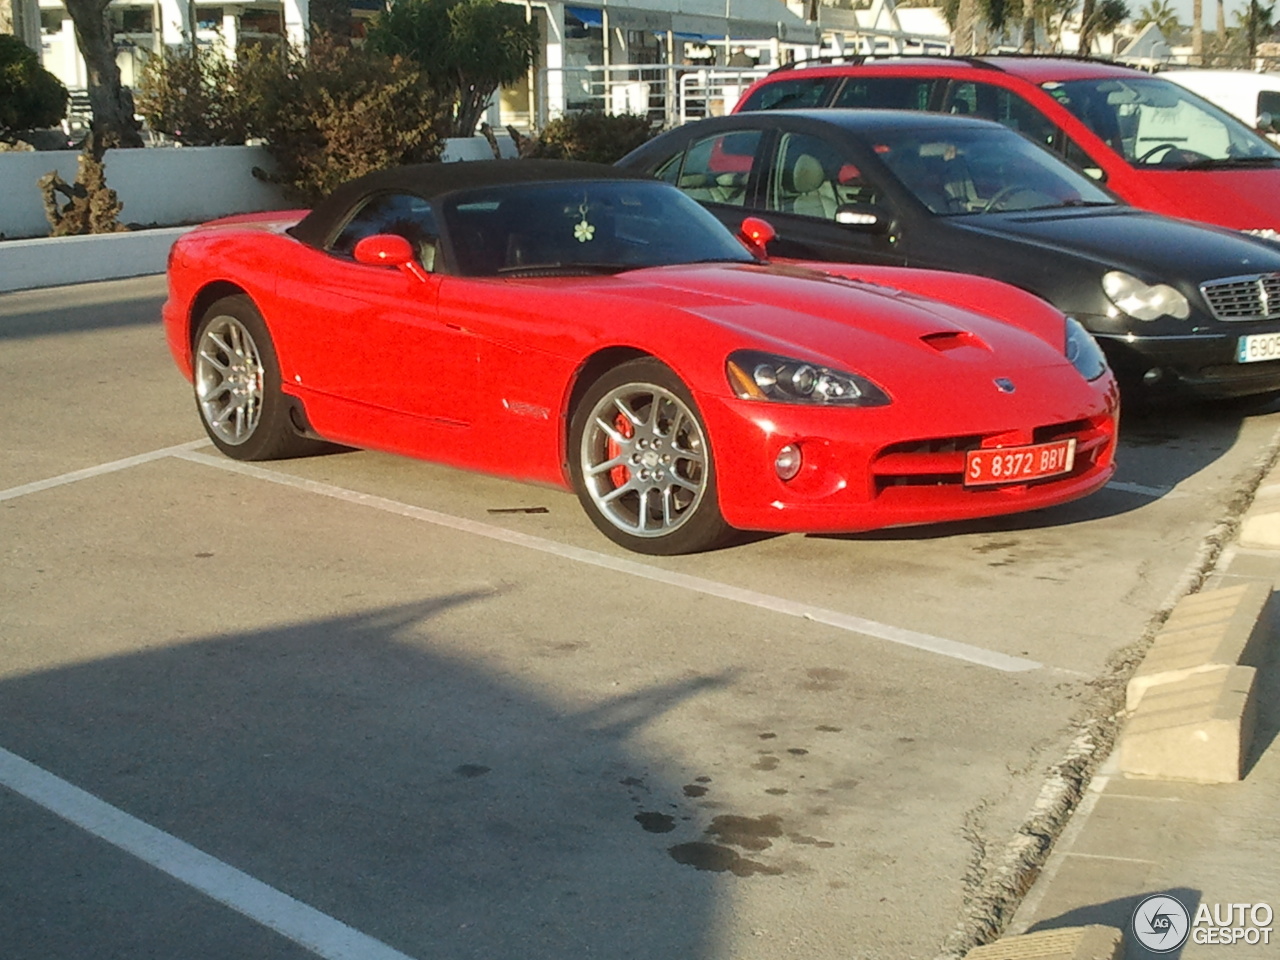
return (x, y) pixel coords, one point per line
(990, 102)
(885, 93)
(792, 93)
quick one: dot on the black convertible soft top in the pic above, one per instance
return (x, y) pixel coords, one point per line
(432, 180)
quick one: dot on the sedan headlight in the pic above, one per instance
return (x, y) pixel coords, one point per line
(1144, 301)
(1083, 351)
(754, 375)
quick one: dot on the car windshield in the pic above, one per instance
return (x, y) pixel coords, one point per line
(987, 169)
(582, 227)
(1156, 123)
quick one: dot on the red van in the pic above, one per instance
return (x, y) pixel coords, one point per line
(1154, 143)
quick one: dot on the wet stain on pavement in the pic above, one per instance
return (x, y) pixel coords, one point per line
(714, 857)
(750, 833)
(694, 790)
(656, 822)
(766, 762)
(471, 770)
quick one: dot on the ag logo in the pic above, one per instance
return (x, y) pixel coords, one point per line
(1161, 923)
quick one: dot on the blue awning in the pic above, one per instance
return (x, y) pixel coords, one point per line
(587, 16)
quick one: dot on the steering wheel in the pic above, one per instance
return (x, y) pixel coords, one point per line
(1158, 148)
(1004, 194)
(1184, 155)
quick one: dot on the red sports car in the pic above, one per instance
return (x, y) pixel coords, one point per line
(573, 325)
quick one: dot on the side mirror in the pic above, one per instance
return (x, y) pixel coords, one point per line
(863, 217)
(389, 250)
(757, 234)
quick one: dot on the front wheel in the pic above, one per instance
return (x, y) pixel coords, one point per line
(642, 464)
(237, 386)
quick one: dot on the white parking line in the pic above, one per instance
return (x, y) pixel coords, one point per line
(833, 618)
(304, 925)
(1143, 490)
(99, 470)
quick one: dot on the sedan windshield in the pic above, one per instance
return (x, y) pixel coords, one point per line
(1156, 123)
(986, 169)
(581, 228)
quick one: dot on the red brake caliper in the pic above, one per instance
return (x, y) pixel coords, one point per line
(620, 474)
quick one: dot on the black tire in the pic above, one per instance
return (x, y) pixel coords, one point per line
(642, 464)
(237, 386)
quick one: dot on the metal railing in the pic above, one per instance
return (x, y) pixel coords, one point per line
(668, 94)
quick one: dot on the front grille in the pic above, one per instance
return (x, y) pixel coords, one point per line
(940, 461)
(1244, 298)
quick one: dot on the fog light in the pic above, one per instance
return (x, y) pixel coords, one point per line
(1154, 375)
(787, 463)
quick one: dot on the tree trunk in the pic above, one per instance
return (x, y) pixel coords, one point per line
(1086, 28)
(1028, 26)
(1197, 31)
(966, 23)
(112, 106)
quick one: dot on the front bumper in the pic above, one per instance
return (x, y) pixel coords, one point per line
(865, 469)
(1201, 365)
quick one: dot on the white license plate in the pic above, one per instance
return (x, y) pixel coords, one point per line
(1258, 347)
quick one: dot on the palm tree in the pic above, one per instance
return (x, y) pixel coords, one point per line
(1197, 30)
(1163, 15)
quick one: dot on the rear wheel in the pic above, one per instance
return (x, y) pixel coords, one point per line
(642, 464)
(237, 386)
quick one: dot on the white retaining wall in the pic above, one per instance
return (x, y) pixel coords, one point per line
(163, 186)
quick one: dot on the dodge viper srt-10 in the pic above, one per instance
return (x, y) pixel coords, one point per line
(574, 325)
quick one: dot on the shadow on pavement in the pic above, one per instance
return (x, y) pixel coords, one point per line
(1120, 914)
(421, 798)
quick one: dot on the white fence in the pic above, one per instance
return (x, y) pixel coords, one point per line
(668, 94)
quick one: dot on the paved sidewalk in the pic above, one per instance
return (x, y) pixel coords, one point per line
(1205, 845)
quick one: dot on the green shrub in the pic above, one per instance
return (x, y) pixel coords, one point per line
(596, 136)
(467, 49)
(195, 96)
(339, 113)
(30, 96)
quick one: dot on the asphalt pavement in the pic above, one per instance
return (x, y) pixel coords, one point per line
(299, 670)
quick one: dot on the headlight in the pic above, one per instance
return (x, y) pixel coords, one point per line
(1083, 351)
(765, 376)
(1144, 301)
(1266, 233)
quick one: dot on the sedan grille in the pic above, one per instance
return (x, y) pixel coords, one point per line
(1244, 298)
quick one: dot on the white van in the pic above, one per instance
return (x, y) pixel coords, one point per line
(1246, 94)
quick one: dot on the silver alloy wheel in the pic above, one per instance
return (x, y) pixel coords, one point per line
(228, 376)
(644, 460)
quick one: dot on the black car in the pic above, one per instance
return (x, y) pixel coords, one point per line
(1177, 306)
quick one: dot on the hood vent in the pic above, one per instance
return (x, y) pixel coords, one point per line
(953, 340)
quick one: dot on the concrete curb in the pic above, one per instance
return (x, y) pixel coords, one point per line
(1094, 942)
(54, 261)
(1191, 700)
(992, 904)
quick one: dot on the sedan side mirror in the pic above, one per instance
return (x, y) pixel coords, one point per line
(757, 234)
(863, 217)
(389, 250)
